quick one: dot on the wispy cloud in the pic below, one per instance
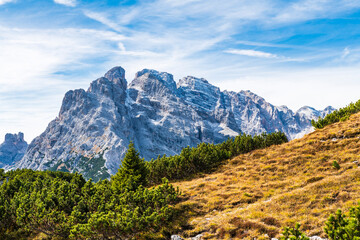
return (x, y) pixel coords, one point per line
(274, 45)
(6, 1)
(251, 53)
(345, 52)
(314, 9)
(69, 3)
(100, 17)
(40, 53)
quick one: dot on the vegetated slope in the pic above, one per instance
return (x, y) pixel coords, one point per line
(342, 114)
(259, 193)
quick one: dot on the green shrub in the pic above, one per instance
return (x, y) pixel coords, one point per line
(293, 233)
(336, 165)
(342, 227)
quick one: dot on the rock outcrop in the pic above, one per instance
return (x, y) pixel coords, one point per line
(12, 149)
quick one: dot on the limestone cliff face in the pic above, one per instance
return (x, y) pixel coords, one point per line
(12, 149)
(160, 116)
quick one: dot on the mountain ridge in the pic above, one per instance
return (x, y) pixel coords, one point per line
(159, 115)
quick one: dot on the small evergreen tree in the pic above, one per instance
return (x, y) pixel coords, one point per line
(293, 233)
(336, 165)
(132, 172)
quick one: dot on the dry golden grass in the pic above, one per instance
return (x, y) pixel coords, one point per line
(257, 194)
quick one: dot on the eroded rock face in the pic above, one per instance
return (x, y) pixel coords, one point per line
(12, 149)
(160, 116)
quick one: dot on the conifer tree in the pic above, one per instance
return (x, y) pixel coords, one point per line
(132, 172)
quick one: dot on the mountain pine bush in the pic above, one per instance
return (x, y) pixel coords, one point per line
(338, 115)
(293, 233)
(336, 165)
(65, 206)
(343, 227)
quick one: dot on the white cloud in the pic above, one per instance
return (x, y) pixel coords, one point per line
(345, 53)
(69, 3)
(313, 9)
(99, 17)
(251, 53)
(6, 1)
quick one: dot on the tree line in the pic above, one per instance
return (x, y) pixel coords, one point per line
(206, 156)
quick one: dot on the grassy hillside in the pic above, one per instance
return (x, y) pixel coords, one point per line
(258, 193)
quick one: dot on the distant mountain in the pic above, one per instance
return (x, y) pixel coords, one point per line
(12, 149)
(160, 116)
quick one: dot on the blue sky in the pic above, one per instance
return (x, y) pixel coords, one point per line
(292, 53)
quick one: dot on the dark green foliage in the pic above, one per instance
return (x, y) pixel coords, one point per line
(338, 115)
(293, 233)
(342, 227)
(205, 157)
(133, 213)
(132, 172)
(65, 206)
(336, 165)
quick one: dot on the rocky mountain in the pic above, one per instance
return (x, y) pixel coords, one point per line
(12, 149)
(160, 116)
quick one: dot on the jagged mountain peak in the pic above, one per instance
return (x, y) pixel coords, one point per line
(197, 84)
(148, 74)
(284, 108)
(311, 113)
(74, 97)
(252, 95)
(151, 73)
(14, 138)
(94, 127)
(200, 93)
(192, 80)
(329, 109)
(12, 149)
(308, 112)
(153, 83)
(117, 75)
